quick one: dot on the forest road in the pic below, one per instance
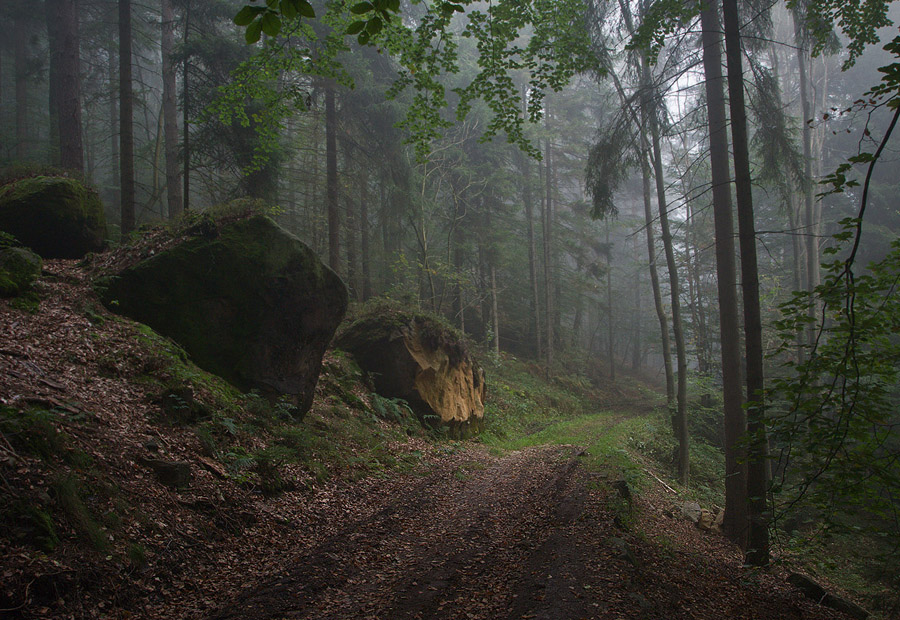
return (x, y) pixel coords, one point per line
(490, 538)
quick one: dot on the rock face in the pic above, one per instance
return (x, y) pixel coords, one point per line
(19, 267)
(415, 358)
(57, 217)
(247, 300)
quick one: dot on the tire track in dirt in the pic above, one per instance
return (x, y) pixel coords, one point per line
(451, 542)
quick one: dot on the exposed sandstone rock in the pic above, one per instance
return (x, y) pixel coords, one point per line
(418, 359)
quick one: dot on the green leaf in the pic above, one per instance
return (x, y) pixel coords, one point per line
(271, 24)
(361, 7)
(306, 10)
(393, 6)
(374, 26)
(356, 27)
(254, 32)
(289, 9)
(247, 15)
(363, 38)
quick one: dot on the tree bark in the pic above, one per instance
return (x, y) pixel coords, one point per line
(611, 352)
(735, 525)
(757, 474)
(364, 237)
(185, 111)
(528, 199)
(680, 414)
(170, 112)
(114, 179)
(547, 224)
(126, 122)
(812, 245)
(334, 221)
(67, 76)
(20, 72)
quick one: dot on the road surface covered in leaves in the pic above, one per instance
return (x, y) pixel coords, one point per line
(526, 535)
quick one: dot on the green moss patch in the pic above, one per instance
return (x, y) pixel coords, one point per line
(57, 217)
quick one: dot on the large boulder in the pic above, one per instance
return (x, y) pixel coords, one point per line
(19, 267)
(416, 358)
(57, 217)
(246, 299)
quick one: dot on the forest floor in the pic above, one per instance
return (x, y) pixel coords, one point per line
(384, 522)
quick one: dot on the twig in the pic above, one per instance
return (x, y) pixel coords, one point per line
(666, 486)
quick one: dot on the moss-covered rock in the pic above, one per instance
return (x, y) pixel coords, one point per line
(57, 217)
(248, 301)
(19, 268)
(417, 358)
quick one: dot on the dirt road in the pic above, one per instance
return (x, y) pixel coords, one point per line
(525, 535)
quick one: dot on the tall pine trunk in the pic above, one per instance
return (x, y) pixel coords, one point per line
(757, 470)
(334, 220)
(126, 122)
(68, 82)
(547, 225)
(185, 112)
(20, 71)
(170, 111)
(735, 524)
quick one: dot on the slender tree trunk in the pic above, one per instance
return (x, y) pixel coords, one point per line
(185, 111)
(364, 240)
(680, 415)
(334, 222)
(20, 71)
(637, 349)
(654, 274)
(114, 180)
(495, 316)
(812, 244)
(757, 470)
(126, 116)
(547, 223)
(170, 111)
(735, 525)
(611, 353)
(528, 199)
(53, 82)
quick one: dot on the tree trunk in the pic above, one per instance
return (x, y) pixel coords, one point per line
(528, 199)
(68, 81)
(812, 245)
(114, 179)
(53, 82)
(547, 223)
(126, 122)
(735, 525)
(364, 238)
(637, 346)
(757, 475)
(20, 71)
(495, 316)
(170, 112)
(611, 352)
(334, 221)
(680, 415)
(185, 111)
(654, 273)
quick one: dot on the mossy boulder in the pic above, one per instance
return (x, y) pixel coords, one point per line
(57, 217)
(19, 267)
(426, 363)
(246, 299)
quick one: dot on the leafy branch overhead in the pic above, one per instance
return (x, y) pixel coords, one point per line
(539, 40)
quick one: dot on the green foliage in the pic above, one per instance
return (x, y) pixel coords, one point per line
(833, 415)
(859, 21)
